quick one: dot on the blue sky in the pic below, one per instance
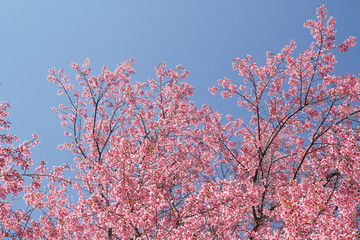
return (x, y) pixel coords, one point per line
(203, 36)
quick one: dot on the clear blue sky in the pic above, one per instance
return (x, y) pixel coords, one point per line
(202, 35)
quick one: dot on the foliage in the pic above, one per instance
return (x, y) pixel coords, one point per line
(150, 164)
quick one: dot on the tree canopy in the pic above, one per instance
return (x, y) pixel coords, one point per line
(150, 164)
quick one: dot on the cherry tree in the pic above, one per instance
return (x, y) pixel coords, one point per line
(296, 165)
(150, 164)
(140, 153)
(15, 161)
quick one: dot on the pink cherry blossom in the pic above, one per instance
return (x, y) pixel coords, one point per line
(150, 164)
